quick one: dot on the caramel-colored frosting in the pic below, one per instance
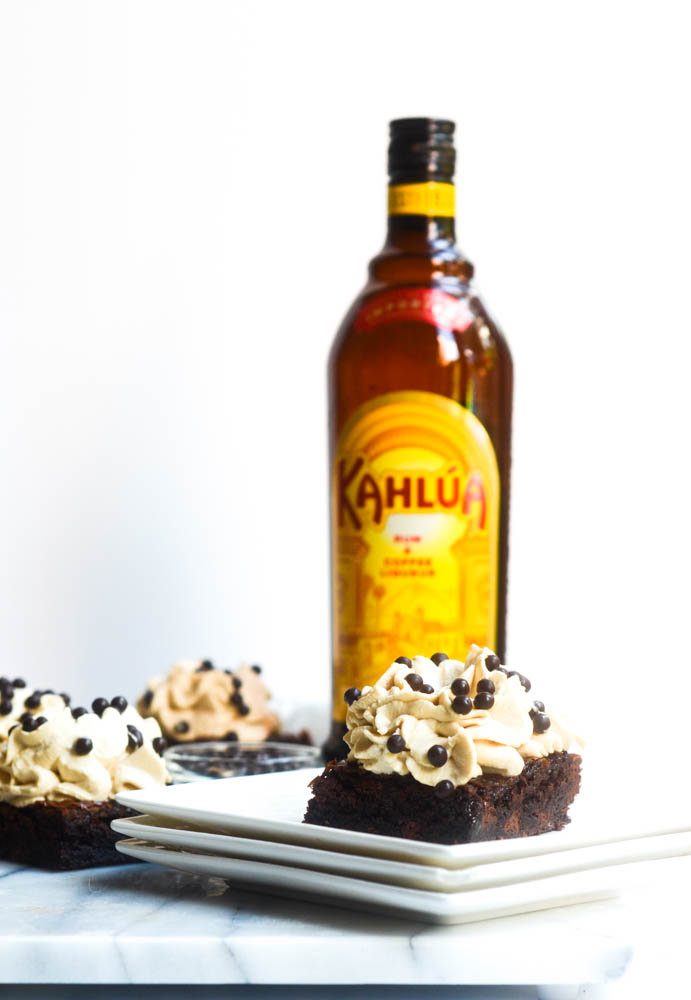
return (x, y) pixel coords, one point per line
(493, 741)
(197, 702)
(49, 705)
(44, 764)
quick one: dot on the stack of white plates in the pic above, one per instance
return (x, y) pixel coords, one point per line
(249, 831)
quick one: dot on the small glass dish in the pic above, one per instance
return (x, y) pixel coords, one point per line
(222, 759)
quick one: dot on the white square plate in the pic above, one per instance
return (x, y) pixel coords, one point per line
(431, 907)
(271, 807)
(408, 874)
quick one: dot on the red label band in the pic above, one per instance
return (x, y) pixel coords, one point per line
(427, 305)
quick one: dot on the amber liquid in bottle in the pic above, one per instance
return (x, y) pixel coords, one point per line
(420, 392)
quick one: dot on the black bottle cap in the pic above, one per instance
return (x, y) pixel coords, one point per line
(421, 149)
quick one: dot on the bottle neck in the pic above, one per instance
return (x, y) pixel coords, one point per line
(421, 217)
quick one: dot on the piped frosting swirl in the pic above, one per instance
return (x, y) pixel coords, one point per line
(493, 740)
(91, 757)
(198, 702)
(15, 701)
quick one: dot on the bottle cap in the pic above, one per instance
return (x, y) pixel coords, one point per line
(421, 149)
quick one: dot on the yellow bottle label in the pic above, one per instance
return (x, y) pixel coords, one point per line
(415, 535)
(428, 198)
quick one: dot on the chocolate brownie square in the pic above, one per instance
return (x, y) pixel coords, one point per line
(61, 835)
(490, 807)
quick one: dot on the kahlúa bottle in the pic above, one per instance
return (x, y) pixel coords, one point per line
(420, 387)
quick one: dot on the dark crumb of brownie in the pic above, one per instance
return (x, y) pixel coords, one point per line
(61, 835)
(491, 807)
(303, 737)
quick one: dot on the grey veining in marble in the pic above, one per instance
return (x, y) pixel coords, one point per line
(144, 924)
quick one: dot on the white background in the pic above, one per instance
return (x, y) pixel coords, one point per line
(189, 194)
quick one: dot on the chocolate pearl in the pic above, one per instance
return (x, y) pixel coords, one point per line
(539, 706)
(351, 695)
(82, 746)
(159, 745)
(426, 689)
(395, 743)
(525, 683)
(147, 698)
(33, 701)
(205, 665)
(32, 723)
(244, 709)
(24, 716)
(443, 789)
(485, 685)
(484, 700)
(462, 704)
(119, 702)
(541, 722)
(257, 669)
(237, 682)
(232, 736)
(438, 658)
(415, 681)
(134, 738)
(99, 705)
(236, 699)
(437, 755)
(47, 691)
(181, 727)
(5, 707)
(65, 697)
(492, 662)
(404, 660)
(19, 682)
(460, 686)
(5, 682)
(77, 713)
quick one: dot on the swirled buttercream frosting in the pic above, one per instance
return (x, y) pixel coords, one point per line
(196, 701)
(441, 719)
(17, 701)
(91, 757)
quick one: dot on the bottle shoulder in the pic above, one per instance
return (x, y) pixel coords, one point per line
(465, 358)
(388, 319)
(442, 261)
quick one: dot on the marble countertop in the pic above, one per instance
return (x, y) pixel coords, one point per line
(141, 924)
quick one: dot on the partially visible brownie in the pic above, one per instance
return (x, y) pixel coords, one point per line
(61, 835)
(303, 737)
(60, 775)
(490, 807)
